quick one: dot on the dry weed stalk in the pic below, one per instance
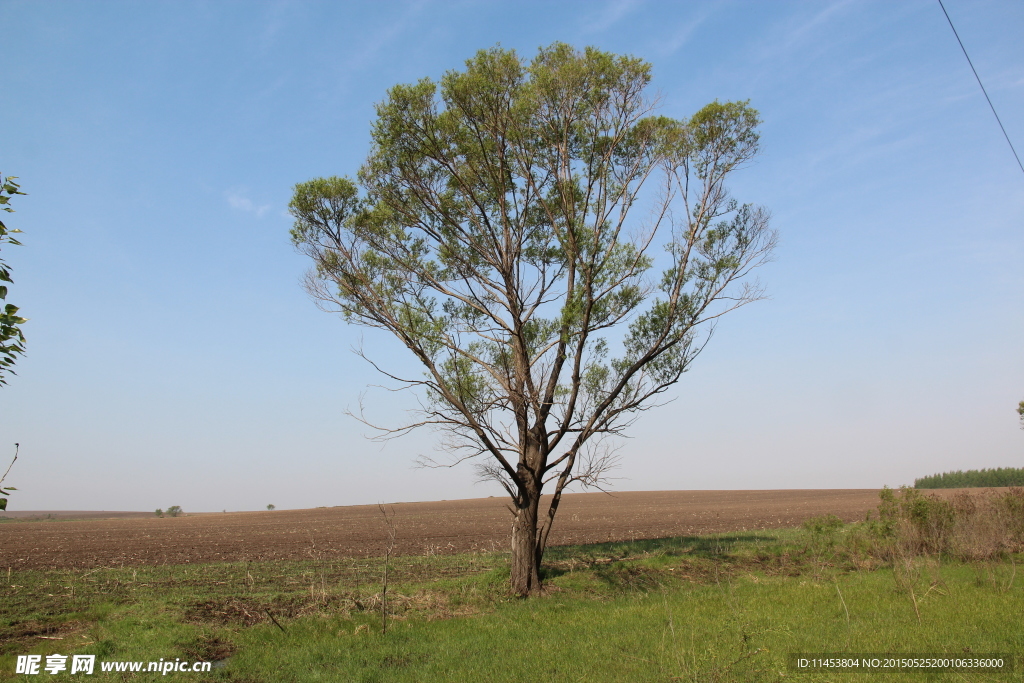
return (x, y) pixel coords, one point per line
(318, 558)
(389, 522)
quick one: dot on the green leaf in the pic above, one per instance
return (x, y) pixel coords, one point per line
(3, 503)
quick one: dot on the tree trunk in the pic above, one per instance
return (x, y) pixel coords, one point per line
(525, 551)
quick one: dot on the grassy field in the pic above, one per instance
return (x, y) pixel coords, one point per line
(716, 608)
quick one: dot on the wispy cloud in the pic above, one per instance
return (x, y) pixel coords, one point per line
(275, 18)
(611, 14)
(374, 42)
(238, 200)
(798, 32)
(682, 33)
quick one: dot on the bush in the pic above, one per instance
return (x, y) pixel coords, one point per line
(823, 525)
(174, 511)
(967, 527)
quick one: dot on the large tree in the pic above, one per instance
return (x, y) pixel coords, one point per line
(551, 251)
(12, 340)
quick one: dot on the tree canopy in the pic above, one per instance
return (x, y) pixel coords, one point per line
(551, 250)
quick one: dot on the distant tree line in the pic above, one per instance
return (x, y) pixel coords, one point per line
(998, 476)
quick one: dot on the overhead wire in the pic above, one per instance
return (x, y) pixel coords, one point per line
(989, 99)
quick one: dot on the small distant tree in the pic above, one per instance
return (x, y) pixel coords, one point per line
(1020, 411)
(159, 512)
(505, 228)
(271, 507)
(12, 341)
(174, 511)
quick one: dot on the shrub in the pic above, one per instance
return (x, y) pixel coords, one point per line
(967, 527)
(823, 525)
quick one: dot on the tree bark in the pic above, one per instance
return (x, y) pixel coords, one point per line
(526, 554)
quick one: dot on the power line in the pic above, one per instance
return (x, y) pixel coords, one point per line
(991, 106)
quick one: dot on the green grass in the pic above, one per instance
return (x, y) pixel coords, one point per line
(717, 608)
(741, 629)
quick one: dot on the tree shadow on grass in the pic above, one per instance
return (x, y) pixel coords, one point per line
(709, 546)
(560, 560)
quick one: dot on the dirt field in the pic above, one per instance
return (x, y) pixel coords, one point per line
(37, 515)
(444, 527)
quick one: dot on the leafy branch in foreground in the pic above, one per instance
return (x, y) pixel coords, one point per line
(12, 340)
(495, 229)
(6, 490)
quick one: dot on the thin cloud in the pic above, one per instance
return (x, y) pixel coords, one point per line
(276, 16)
(805, 30)
(376, 41)
(238, 200)
(682, 34)
(613, 12)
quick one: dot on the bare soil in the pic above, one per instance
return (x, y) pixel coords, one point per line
(36, 515)
(423, 528)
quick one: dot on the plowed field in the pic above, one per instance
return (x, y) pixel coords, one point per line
(443, 527)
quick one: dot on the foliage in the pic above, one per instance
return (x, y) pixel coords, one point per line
(12, 340)
(6, 490)
(505, 229)
(823, 530)
(1020, 411)
(271, 507)
(822, 525)
(995, 477)
(159, 512)
(174, 511)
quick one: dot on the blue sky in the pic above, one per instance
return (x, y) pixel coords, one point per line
(173, 358)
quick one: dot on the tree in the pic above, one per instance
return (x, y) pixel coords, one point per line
(496, 230)
(1020, 411)
(12, 341)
